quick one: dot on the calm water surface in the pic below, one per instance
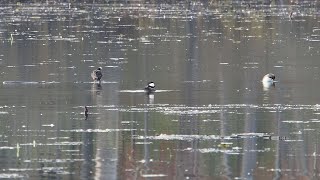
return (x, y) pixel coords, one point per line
(210, 117)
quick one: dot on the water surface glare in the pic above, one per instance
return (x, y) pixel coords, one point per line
(210, 117)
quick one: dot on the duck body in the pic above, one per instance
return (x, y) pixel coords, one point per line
(150, 88)
(97, 75)
(268, 80)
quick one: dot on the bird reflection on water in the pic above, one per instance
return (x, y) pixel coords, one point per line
(150, 98)
(96, 89)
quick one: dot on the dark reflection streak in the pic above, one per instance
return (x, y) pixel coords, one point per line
(133, 141)
(189, 125)
(108, 144)
(279, 144)
(96, 89)
(87, 150)
(41, 165)
(268, 43)
(146, 145)
(249, 160)
(249, 146)
(300, 158)
(87, 167)
(302, 145)
(223, 124)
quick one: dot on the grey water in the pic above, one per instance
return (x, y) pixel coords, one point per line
(210, 117)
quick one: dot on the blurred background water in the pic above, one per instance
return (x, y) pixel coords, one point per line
(210, 117)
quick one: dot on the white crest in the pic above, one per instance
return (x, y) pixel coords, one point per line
(266, 78)
(151, 85)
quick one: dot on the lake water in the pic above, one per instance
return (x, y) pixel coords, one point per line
(210, 117)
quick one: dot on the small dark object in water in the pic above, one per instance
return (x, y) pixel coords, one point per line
(291, 15)
(97, 74)
(86, 112)
(150, 88)
(270, 137)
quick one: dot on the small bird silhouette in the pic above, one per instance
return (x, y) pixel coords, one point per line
(86, 112)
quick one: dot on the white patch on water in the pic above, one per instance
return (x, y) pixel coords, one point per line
(211, 120)
(66, 143)
(200, 81)
(249, 135)
(53, 160)
(190, 111)
(143, 143)
(96, 130)
(92, 82)
(54, 138)
(218, 150)
(127, 122)
(153, 175)
(24, 169)
(180, 137)
(28, 82)
(70, 150)
(67, 67)
(48, 125)
(314, 40)
(132, 91)
(7, 147)
(11, 176)
(141, 91)
(111, 66)
(87, 60)
(296, 122)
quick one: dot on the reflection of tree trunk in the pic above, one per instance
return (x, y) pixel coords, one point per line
(107, 143)
(223, 123)
(189, 125)
(250, 126)
(249, 146)
(100, 150)
(87, 151)
(146, 145)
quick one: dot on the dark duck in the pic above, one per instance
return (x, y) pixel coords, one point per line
(86, 112)
(97, 75)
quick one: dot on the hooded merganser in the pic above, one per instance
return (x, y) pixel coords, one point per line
(268, 80)
(150, 88)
